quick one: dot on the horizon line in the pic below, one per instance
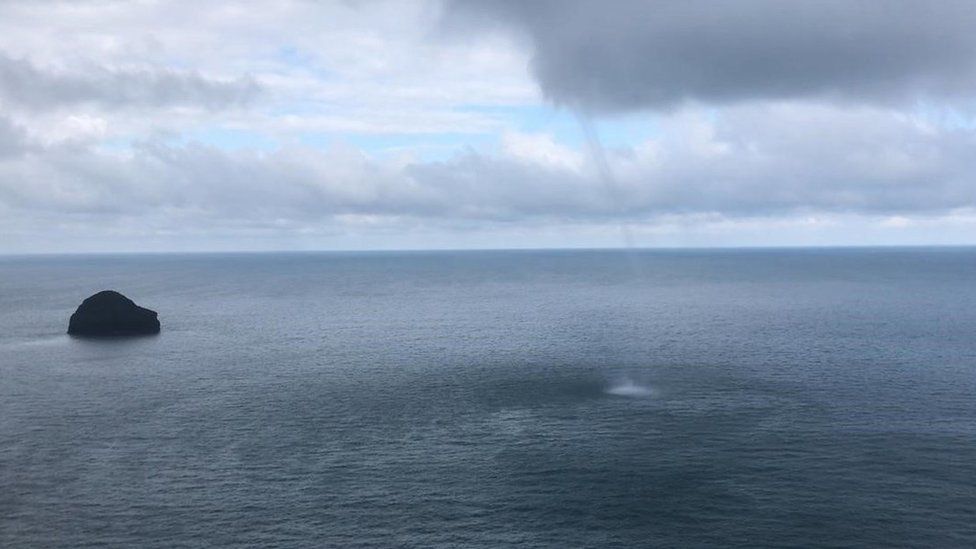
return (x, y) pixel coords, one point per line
(339, 251)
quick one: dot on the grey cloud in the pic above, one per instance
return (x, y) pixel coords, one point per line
(634, 54)
(24, 84)
(13, 139)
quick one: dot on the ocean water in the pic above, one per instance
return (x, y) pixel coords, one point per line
(485, 399)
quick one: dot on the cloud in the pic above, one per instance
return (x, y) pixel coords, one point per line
(749, 161)
(13, 139)
(639, 54)
(119, 121)
(300, 68)
(23, 84)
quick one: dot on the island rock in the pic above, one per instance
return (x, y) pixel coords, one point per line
(110, 313)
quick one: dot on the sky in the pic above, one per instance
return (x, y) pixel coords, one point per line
(155, 126)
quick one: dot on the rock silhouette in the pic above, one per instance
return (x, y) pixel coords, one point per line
(110, 313)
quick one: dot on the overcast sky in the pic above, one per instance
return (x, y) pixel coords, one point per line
(153, 126)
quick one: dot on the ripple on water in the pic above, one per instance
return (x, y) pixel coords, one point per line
(628, 388)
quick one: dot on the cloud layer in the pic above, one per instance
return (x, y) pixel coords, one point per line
(749, 162)
(360, 124)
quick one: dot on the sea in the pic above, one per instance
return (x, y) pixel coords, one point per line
(563, 398)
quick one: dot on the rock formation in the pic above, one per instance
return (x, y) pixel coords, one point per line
(110, 313)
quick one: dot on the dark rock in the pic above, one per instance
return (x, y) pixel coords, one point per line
(110, 313)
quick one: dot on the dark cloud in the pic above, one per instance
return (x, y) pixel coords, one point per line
(26, 85)
(633, 54)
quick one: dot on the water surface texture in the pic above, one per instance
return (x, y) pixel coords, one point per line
(483, 399)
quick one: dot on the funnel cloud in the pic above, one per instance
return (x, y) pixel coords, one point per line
(638, 54)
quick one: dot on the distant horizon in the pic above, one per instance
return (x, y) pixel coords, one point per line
(526, 249)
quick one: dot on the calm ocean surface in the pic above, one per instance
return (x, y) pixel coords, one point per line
(485, 399)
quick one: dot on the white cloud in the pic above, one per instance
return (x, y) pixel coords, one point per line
(541, 149)
(746, 163)
(293, 66)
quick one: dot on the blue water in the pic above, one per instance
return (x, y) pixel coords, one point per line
(486, 399)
